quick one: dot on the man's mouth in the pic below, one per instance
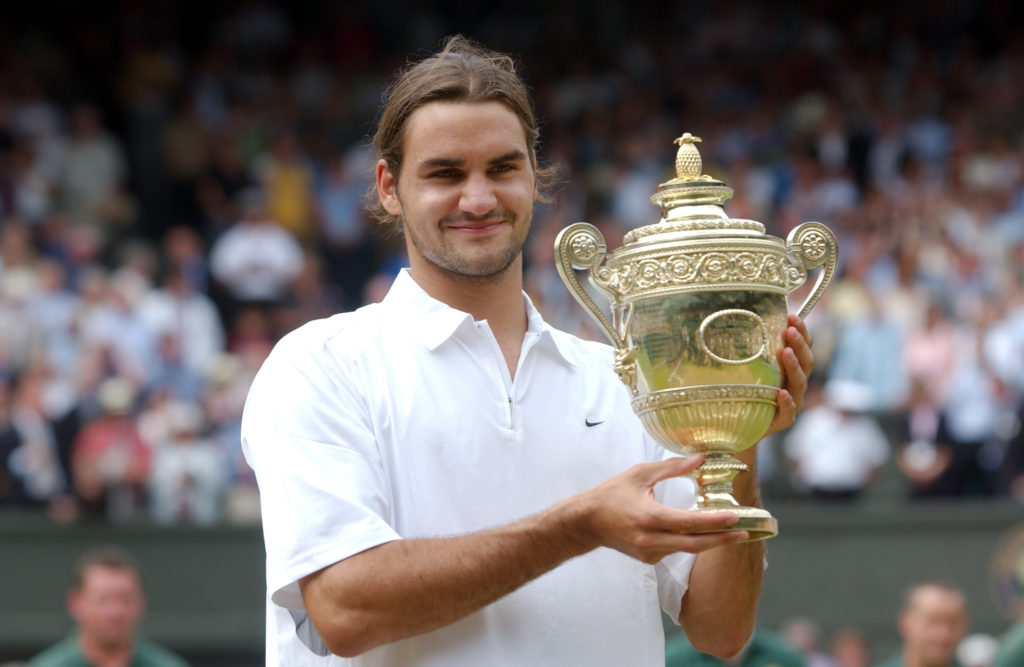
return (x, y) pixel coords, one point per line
(481, 226)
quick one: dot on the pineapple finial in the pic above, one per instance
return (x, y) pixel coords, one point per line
(688, 162)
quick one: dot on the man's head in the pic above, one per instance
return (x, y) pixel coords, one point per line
(106, 599)
(462, 71)
(932, 622)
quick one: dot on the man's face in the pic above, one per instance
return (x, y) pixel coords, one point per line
(466, 189)
(933, 624)
(108, 606)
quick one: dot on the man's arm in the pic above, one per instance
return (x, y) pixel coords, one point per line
(407, 587)
(720, 606)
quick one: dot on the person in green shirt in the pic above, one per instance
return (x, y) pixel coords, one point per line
(932, 623)
(765, 649)
(1011, 649)
(106, 602)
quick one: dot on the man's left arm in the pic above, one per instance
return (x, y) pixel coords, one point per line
(719, 609)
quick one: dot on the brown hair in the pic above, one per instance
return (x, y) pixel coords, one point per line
(463, 71)
(112, 557)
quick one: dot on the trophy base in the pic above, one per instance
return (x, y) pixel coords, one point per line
(757, 522)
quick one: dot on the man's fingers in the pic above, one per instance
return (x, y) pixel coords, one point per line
(652, 473)
(801, 348)
(796, 376)
(801, 327)
(660, 545)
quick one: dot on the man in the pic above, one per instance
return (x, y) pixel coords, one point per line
(447, 480)
(932, 623)
(106, 603)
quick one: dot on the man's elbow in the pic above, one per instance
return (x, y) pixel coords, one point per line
(346, 636)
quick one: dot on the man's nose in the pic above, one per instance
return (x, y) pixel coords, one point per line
(477, 195)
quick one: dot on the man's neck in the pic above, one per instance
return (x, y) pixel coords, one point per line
(105, 656)
(912, 659)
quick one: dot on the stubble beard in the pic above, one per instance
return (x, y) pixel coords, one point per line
(458, 266)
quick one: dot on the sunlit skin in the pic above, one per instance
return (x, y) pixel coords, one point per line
(465, 192)
(107, 609)
(932, 625)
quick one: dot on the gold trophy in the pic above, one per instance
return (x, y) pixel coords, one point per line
(698, 310)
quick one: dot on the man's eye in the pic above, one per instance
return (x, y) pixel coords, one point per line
(503, 168)
(445, 173)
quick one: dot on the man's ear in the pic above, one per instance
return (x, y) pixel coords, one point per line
(387, 188)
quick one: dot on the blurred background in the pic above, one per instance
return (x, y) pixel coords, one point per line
(181, 183)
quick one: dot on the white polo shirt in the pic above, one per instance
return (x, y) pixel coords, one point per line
(401, 420)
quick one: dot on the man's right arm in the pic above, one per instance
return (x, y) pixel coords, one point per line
(407, 587)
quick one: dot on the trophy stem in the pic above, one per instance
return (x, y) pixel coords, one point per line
(714, 494)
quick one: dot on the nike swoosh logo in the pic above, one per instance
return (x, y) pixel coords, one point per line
(590, 423)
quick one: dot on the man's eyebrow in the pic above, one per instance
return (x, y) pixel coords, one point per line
(444, 162)
(433, 163)
(511, 156)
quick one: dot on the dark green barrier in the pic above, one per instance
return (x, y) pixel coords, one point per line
(842, 566)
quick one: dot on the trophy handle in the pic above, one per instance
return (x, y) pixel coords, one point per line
(581, 246)
(811, 245)
(765, 344)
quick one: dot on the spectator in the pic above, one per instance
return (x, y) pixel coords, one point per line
(110, 462)
(189, 475)
(802, 634)
(835, 448)
(255, 260)
(38, 474)
(850, 648)
(94, 173)
(924, 455)
(932, 623)
(349, 243)
(114, 325)
(186, 320)
(869, 351)
(287, 180)
(106, 603)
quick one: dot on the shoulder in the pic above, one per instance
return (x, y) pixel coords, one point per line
(340, 335)
(316, 360)
(148, 654)
(64, 653)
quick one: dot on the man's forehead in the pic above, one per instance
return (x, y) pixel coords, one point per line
(446, 120)
(104, 573)
(928, 596)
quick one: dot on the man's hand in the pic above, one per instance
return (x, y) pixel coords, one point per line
(622, 514)
(796, 360)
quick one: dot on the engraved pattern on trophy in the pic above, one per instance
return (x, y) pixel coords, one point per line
(699, 267)
(699, 304)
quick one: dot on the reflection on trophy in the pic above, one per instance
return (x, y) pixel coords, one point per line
(698, 309)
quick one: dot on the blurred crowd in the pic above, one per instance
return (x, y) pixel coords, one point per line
(180, 185)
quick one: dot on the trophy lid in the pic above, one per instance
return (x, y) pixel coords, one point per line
(692, 202)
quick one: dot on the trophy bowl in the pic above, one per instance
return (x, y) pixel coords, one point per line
(699, 303)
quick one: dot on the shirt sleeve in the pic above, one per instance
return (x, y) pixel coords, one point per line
(307, 433)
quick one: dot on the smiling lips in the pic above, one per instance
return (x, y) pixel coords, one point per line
(481, 226)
